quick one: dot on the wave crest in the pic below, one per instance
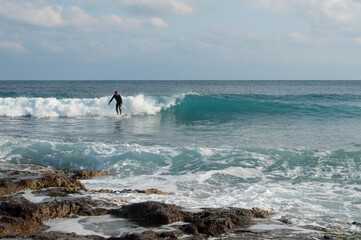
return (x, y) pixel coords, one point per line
(76, 107)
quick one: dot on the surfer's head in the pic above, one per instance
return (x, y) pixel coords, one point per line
(116, 93)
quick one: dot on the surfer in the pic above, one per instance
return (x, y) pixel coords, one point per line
(119, 100)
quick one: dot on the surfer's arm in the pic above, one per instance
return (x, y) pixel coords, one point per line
(111, 100)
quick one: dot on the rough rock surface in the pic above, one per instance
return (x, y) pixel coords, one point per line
(86, 174)
(151, 213)
(39, 212)
(148, 235)
(21, 218)
(210, 221)
(10, 186)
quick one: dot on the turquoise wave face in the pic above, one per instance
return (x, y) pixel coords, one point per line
(233, 106)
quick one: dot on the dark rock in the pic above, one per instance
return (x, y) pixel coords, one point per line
(39, 212)
(60, 235)
(356, 223)
(148, 191)
(216, 222)
(191, 229)
(327, 238)
(151, 213)
(147, 235)
(285, 220)
(171, 234)
(93, 212)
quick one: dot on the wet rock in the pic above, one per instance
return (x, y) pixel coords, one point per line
(260, 213)
(327, 238)
(93, 212)
(217, 222)
(39, 212)
(285, 220)
(103, 191)
(87, 174)
(190, 229)
(13, 226)
(147, 235)
(9, 186)
(60, 235)
(210, 221)
(171, 234)
(151, 213)
(148, 191)
(318, 228)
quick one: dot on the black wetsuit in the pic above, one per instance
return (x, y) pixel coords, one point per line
(119, 100)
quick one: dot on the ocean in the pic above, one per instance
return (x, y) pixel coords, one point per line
(292, 147)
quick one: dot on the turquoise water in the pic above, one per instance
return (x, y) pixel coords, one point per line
(293, 147)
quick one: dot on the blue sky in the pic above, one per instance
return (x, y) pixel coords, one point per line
(184, 39)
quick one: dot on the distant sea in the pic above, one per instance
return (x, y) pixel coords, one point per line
(293, 147)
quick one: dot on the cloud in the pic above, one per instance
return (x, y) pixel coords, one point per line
(158, 22)
(58, 16)
(321, 13)
(26, 12)
(13, 46)
(155, 7)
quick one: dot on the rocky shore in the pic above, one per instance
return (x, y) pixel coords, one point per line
(21, 218)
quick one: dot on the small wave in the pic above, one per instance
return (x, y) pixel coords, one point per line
(75, 107)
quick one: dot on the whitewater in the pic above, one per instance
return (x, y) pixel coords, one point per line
(292, 147)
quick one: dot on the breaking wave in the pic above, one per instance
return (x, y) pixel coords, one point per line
(187, 105)
(76, 107)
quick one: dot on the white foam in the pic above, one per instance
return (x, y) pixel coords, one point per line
(70, 225)
(28, 195)
(75, 107)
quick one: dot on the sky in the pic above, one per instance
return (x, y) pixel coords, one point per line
(180, 39)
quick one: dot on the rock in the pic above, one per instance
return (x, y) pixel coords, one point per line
(191, 229)
(285, 220)
(93, 212)
(217, 222)
(260, 213)
(39, 212)
(151, 213)
(103, 191)
(60, 235)
(86, 174)
(327, 237)
(211, 221)
(12, 226)
(8, 186)
(171, 234)
(148, 191)
(147, 235)
(357, 224)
